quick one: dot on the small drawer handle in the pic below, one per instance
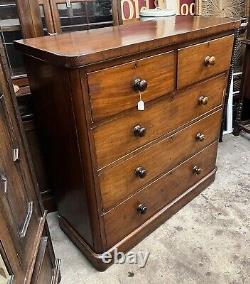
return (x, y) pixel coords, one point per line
(27, 220)
(197, 170)
(140, 172)
(200, 137)
(140, 85)
(210, 60)
(4, 181)
(203, 100)
(139, 131)
(142, 209)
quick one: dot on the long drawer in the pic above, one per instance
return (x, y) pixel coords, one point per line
(132, 213)
(113, 90)
(118, 137)
(125, 178)
(203, 60)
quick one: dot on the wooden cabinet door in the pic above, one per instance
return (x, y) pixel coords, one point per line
(22, 218)
(17, 206)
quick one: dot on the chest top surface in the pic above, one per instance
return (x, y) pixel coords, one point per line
(77, 49)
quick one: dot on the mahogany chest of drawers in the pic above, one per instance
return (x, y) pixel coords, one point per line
(120, 172)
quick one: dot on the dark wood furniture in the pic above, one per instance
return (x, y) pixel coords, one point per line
(33, 18)
(119, 172)
(243, 111)
(75, 15)
(21, 19)
(26, 252)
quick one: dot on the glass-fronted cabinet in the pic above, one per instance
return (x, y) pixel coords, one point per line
(31, 18)
(75, 15)
(10, 29)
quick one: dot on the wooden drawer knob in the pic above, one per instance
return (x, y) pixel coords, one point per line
(139, 130)
(197, 170)
(209, 60)
(140, 172)
(140, 85)
(200, 137)
(142, 209)
(203, 100)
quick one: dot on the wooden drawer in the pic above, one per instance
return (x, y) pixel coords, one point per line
(204, 60)
(126, 217)
(111, 90)
(120, 181)
(116, 138)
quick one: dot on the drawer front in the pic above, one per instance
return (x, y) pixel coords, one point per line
(116, 138)
(125, 178)
(112, 90)
(201, 61)
(129, 215)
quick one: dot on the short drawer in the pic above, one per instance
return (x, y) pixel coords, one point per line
(132, 213)
(204, 60)
(125, 178)
(115, 89)
(118, 137)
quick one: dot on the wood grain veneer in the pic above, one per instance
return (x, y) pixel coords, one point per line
(116, 137)
(111, 90)
(191, 60)
(118, 172)
(123, 219)
(158, 158)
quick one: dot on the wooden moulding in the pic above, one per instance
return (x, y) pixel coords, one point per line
(141, 232)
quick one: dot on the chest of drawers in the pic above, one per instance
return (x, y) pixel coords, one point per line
(119, 172)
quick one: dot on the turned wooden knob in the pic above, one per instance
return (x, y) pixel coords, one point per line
(140, 172)
(139, 130)
(140, 85)
(209, 60)
(142, 209)
(197, 170)
(200, 137)
(203, 100)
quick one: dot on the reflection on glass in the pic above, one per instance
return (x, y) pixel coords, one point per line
(5, 277)
(85, 15)
(10, 30)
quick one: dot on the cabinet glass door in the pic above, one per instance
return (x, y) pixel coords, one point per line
(78, 15)
(10, 30)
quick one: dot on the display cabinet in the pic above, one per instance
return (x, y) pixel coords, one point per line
(243, 109)
(10, 28)
(21, 19)
(26, 252)
(32, 18)
(74, 15)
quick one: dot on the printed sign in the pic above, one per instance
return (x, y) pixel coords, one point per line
(131, 8)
